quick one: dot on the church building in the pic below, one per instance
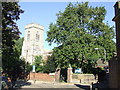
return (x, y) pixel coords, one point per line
(33, 44)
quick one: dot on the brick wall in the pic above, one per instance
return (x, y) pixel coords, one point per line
(41, 77)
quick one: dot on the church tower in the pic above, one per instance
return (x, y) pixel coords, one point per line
(33, 42)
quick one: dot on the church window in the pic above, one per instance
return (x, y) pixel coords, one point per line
(28, 35)
(37, 36)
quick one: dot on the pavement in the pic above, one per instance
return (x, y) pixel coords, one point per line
(42, 84)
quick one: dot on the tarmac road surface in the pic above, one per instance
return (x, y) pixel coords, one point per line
(40, 84)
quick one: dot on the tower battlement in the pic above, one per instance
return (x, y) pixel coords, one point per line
(34, 25)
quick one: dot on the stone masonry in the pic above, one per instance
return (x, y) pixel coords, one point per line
(33, 44)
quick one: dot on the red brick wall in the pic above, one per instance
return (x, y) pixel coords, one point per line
(41, 77)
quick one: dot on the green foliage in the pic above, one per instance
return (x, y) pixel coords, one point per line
(10, 32)
(17, 66)
(38, 63)
(12, 65)
(19, 43)
(78, 31)
(38, 60)
(49, 66)
(45, 67)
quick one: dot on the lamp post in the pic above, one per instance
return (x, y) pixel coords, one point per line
(104, 52)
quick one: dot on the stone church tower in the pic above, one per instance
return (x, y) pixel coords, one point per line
(33, 42)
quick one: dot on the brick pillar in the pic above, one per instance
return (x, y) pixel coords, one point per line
(69, 74)
(57, 75)
(117, 24)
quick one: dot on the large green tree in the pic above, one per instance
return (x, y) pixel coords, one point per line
(78, 30)
(18, 65)
(10, 33)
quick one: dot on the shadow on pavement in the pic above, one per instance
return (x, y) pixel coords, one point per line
(85, 87)
(21, 83)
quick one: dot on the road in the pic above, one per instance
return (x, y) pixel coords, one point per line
(39, 84)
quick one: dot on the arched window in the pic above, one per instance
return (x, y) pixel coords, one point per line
(28, 35)
(37, 36)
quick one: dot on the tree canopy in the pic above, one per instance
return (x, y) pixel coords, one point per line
(12, 65)
(44, 66)
(78, 30)
(38, 63)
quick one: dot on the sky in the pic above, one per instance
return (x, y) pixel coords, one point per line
(44, 13)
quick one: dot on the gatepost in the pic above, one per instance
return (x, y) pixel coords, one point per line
(57, 74)
(69, 74)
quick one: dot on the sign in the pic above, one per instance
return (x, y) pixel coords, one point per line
(33, 68)
(78, 70)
